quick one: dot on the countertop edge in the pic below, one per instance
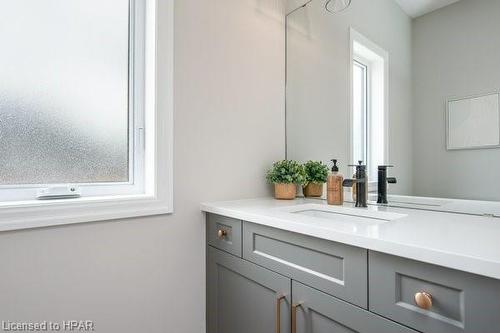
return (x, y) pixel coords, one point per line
(459, 262)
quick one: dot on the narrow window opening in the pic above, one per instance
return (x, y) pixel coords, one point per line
(369, 118)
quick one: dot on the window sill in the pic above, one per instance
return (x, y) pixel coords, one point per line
(36, 213)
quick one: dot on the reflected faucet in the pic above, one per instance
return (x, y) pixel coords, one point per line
(383, 180)
(361, 184)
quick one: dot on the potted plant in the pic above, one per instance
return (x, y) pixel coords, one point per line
(286, 175)
(316, 175)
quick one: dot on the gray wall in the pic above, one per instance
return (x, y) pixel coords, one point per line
(147, 274)
(456, 53)
(318, 105)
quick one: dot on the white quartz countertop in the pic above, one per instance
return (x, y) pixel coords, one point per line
(464, 242)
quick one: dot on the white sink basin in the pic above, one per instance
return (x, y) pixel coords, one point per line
(369, 215)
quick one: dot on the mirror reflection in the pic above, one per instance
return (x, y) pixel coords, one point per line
(413, 84)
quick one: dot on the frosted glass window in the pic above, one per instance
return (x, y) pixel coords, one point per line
(64, 91)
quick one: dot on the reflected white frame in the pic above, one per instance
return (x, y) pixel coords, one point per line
(447, 122)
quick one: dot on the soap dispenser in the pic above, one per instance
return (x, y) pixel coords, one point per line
(335, 190)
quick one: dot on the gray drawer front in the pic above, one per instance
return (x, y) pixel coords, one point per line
(462, 302)
(231, 241)
(334, 268)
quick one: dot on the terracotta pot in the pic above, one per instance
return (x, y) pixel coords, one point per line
(285, 191)
(313, 190)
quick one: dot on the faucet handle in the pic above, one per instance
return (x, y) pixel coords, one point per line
(384, 167)
(360, 164)
(351, 182)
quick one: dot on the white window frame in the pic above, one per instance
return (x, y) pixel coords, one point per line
(376, 59)
(150, 190)
(357, 61)
(136, 120)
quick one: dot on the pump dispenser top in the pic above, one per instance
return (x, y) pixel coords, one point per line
(335, 168)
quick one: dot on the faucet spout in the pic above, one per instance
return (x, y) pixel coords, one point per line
(351, 182)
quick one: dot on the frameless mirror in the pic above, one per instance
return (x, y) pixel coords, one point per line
(414, 84)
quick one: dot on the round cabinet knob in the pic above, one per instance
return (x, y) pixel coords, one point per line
(423, 300)
(221, 233)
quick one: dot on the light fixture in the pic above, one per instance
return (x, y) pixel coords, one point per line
(335, 6)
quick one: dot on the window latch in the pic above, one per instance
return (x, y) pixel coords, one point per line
(59, 192)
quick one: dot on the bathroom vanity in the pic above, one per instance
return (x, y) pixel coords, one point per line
(306, 267)
(410, 84)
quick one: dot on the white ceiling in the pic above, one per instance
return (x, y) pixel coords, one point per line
(416, 8)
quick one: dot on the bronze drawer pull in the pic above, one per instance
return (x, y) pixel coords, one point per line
(294, 316)
(423, 300)
(279, 299)
(221, 233)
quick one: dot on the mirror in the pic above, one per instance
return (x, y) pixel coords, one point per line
(414, 84)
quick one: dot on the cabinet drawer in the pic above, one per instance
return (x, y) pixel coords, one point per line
(461, 302)
(224, 233)
(334, 268)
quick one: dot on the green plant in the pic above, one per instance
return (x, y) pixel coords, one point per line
(316, 172)
(286, 172)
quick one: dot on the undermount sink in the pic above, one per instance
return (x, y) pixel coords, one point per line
(345, 214)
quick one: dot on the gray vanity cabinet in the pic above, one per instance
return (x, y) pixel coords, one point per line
(316, 312)
(264, 280)
(245, 298)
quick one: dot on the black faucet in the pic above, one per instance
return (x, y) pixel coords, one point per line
(361, 182)
(383, 180)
